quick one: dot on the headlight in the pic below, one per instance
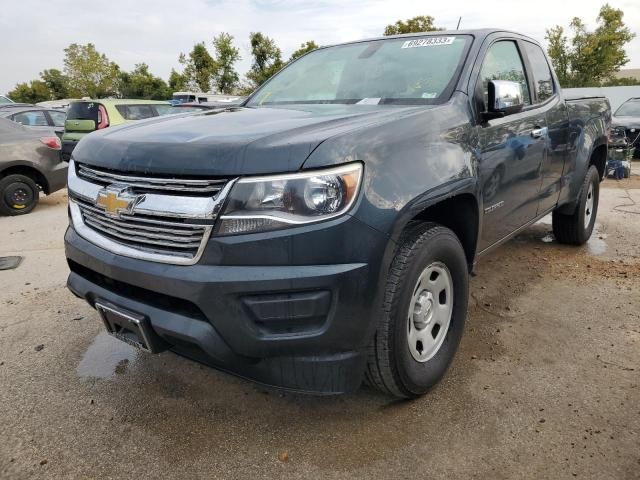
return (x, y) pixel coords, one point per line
(272, 202)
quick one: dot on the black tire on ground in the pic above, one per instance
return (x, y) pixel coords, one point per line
(627, 172)
(19, 195)
(572, 229)
(391, 366)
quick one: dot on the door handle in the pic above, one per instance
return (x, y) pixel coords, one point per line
(539, 132)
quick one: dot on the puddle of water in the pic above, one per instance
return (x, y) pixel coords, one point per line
(106, 357)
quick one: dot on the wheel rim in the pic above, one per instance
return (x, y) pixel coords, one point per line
(18, 196)
(430, 311)
(588, 206)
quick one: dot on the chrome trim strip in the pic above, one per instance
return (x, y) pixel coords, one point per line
(172, 184)
(155, 204)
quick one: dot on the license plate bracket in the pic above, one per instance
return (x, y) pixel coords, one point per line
(130, 327)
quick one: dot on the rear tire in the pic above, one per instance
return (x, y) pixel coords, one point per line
(424, 312)
(576, 228)
(19, 195)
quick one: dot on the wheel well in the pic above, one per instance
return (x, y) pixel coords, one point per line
(460, 214)
(30, 172)
(599, 159)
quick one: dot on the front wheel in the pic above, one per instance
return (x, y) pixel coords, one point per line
(424, 313)
(576, 228)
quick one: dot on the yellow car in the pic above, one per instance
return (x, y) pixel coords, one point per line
(85, 116)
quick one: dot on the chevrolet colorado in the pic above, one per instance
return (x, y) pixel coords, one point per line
(324, 231)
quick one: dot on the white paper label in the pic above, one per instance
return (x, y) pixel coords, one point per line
(428, 42)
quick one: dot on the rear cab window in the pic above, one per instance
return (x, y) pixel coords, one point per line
(136, 112)
(58, 118)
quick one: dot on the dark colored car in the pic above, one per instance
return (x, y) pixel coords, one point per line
(30, 163)
(45, 120)
(627, 117)
(323, 231)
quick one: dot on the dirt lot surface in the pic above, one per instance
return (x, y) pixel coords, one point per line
(546, 383)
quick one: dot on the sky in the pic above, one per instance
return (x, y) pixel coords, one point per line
(34, 33)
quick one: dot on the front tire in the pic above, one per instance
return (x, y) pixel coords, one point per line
(576, 228)
(424, 313)
(19, 195)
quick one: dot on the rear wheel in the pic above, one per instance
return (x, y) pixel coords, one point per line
(577, 227)
(424, 313)
(19, 195)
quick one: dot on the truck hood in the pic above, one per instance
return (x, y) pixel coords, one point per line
(238, 141)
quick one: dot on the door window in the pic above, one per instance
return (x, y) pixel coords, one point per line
(34, 118)
(502, 62)
(58, 118)
(543, 81)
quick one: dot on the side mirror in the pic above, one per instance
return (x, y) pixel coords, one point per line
(505, 98)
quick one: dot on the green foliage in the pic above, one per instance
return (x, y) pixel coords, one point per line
(140, 83)
(621, 82)
(304, 48)
(56, 82)
(177, 81)
(89, 72)
(199, 68)
(32, 92)
(267, 59)
(226, 55)
(590, 58)
(418, 24)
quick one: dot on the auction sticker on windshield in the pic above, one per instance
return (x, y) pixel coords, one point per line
(428, 42)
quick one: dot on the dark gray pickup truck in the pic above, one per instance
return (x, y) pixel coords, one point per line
(323, 232)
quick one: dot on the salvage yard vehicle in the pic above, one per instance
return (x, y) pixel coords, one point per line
(324, 231)
(85, 116)
(30, 163)
(35, 117)
(627, 118)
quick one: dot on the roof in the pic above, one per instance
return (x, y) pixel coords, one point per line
(123, 101)
(27, 108)
(479, 34)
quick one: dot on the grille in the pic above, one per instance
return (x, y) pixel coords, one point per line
(146, 232)
(150, 184)
(168, 219)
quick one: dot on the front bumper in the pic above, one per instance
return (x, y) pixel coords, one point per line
(303, 326)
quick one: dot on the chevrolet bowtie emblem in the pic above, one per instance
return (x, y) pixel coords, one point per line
(116, 199)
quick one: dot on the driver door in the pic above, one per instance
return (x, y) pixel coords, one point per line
(512, 149)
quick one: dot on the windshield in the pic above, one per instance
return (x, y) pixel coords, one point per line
(631, 108)
(406, 71)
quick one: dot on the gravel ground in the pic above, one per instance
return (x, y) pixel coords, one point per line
(546, 383)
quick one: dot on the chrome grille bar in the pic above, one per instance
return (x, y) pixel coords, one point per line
(106, 177)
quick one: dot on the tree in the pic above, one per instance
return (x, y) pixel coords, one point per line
(199, 67)
(304, 48)
(32, 92)
(89, 72)
(56, 82)
(418, 24)
(177, 81)
(226, 55)
(590, 58)
(140, 83)
(267, 59)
